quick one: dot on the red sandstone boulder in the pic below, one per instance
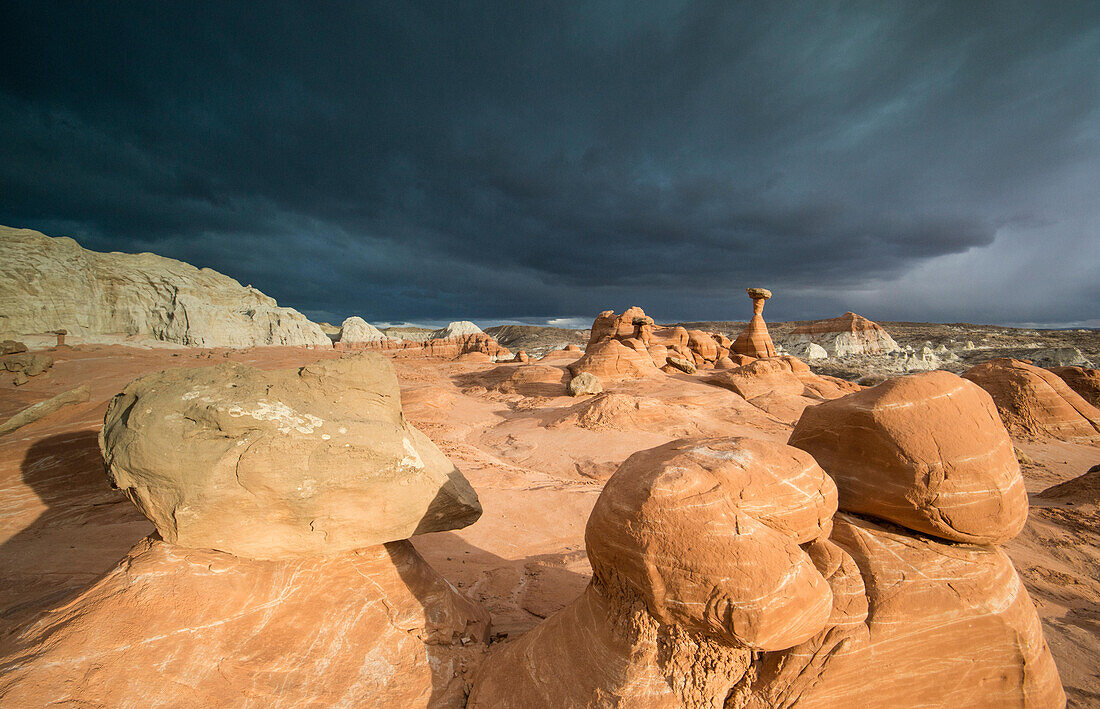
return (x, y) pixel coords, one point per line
(1036, 402)
(610, 360)
(703, 344)
(474, 357)
(944, 625)
(926, 451)
(536, 380)
(669, 619)
(1084, 381)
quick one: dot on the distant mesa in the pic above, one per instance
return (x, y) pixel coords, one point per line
(283, 501)
(849, 334)
(114, 297)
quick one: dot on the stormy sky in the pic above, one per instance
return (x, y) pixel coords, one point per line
(543, 161)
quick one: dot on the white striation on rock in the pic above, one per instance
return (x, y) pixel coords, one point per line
(458, 328)
(355, 329)
(51, 283)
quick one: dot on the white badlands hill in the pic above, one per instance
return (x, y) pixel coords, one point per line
(49, 283)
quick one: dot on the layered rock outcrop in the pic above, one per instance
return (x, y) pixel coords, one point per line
(1036, 402)
(754, 340)
(1082, 380)
(723, 576)
(846, 335)
(48, 284)
(280, 572)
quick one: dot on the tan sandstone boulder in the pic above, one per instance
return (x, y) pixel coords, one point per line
(1036, 402)
(270, 464)
(926, 451)
(585, 383)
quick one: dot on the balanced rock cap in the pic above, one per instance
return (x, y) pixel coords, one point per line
(273, 464)
(759, 293)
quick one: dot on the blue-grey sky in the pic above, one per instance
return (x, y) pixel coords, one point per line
(541, 160)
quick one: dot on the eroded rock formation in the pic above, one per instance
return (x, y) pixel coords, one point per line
(754, 340)
(48, 284)
(668, 348)
(781, 386)
(846, 335)
(280, 571)
(1036, 402)
(723, 575)
(1082, 380)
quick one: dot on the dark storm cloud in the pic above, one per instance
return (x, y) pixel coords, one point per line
(495, 160)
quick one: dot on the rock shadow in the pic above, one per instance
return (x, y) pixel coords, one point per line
(82, 534)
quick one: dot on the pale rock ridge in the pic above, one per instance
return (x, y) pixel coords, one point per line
(48, 284)
(356, 330)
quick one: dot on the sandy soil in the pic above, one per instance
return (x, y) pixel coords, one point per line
(537, 459)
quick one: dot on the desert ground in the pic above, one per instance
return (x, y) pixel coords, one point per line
(537, 458)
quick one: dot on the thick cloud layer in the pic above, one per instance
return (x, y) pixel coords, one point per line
(534, 160)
